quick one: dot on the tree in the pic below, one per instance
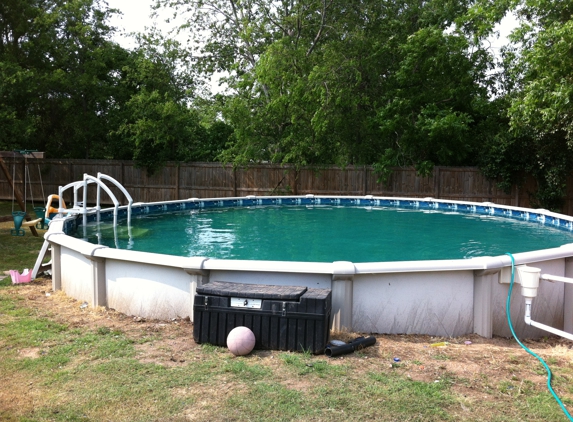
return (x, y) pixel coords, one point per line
(59, 76)
(21, 35)
(320, 82)
(538, 96)
(438, 101)
(67, 89)
(157, 123)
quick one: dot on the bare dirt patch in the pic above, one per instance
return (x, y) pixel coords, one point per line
(32, 353)
(167, 352)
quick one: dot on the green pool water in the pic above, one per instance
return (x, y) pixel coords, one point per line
(327, 234)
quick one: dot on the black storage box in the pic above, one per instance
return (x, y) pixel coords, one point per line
(281, 317)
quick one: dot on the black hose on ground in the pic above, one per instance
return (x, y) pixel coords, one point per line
(356, 344)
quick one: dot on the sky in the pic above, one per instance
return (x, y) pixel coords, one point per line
(136, 16)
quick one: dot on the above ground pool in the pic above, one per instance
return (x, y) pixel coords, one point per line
(328, 233)
(393, 265)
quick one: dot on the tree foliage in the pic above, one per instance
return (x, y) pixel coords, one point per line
(329, 81)
(158, 125)
(59, 72)
(68, 89)
(311, 82)
(538, 80)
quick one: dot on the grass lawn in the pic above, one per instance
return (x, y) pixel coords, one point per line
(60, 361)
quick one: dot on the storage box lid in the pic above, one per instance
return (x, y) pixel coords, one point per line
(252, 291)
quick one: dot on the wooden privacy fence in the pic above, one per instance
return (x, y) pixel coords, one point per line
(212, 180)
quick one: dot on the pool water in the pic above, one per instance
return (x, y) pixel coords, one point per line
(327, 233)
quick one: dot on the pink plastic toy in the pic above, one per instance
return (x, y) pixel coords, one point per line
(17, 278)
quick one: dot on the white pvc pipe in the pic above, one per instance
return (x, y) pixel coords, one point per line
(541, 326)
(60, 207)
(84, 210)
(87, 179)
(550, 277)
(551, 330)
(98, 200)
(76, 187)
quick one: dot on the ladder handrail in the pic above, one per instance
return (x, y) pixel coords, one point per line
(88, 178)
(99, 181)
(76, 185)
(121, 188)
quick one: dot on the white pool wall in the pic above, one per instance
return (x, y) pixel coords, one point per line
(439, 298)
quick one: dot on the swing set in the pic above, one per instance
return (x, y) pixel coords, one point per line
(40, 222)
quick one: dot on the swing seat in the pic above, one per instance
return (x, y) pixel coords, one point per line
(31, 222)
(40, 213)
(18, 217)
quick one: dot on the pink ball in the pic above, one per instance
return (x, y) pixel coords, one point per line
(241, 341)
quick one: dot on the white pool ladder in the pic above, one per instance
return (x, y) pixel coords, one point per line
(82, 208)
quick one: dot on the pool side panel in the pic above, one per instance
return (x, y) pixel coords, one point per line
(78, 272)
(148, 291)
(436, 303)
(76, 275)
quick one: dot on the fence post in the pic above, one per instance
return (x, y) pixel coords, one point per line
(234, 181)
(437, 182)
(177, 176)
(295, 183)
(516, 187)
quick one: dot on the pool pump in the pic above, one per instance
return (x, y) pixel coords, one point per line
(529, 279)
